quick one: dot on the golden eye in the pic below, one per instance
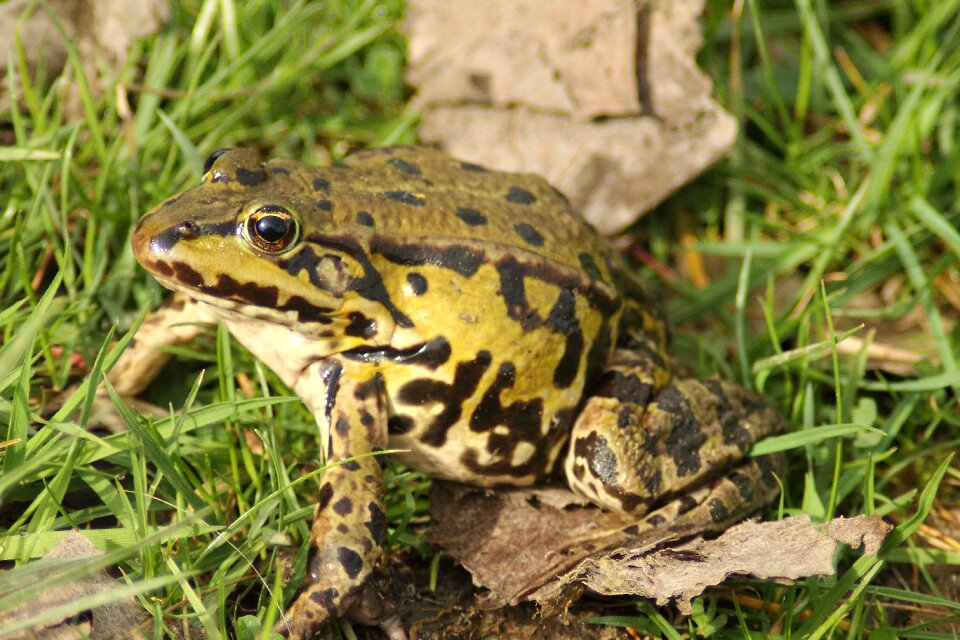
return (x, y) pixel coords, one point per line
(271, 228)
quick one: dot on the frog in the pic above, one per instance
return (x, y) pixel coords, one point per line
(467, 320)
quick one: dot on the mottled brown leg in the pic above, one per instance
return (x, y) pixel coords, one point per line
(641, 442)
(347, 536)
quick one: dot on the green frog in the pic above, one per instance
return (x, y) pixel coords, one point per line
(469, 318)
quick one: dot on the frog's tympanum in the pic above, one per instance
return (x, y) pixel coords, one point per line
(468, 317)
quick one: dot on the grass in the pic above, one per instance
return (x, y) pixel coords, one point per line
(834, 216)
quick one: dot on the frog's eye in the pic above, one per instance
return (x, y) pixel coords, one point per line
(208, 163)
(271, 228)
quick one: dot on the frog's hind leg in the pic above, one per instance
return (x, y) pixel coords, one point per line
(719, 504)
(642, 440)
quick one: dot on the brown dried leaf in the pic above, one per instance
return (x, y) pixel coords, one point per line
(543, 546)
(787, 550)
(99, 29)
(867, 532)
(519, 85)
(113, 620)
(440, 603)
(509, 538)
(895, 343)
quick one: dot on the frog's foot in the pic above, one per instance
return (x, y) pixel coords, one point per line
(298, 625)
(635, 445)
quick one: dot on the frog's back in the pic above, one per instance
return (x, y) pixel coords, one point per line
(432, 196)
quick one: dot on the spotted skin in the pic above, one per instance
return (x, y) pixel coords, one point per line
(468, 317)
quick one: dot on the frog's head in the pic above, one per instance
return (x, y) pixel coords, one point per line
(238, 242)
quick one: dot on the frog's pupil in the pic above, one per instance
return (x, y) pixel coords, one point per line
(272, 228)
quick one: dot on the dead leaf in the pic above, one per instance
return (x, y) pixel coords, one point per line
(546, 546)
(100, 29)
(440, 603)
(866, 532)
(787, 550)
(602, 97)
(507, 538)
(112, 620)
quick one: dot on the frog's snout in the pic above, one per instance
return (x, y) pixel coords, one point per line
(139, 239)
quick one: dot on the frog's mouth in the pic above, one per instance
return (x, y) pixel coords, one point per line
(207, 265)
(245, 297)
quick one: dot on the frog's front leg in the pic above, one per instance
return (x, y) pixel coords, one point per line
(349, 527)
(642, 440)
(176, 323)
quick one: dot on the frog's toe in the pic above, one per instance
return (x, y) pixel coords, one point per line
(371, 610)
(394, 628)
(317, 604)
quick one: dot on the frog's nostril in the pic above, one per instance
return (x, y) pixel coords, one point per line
(188, 230)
